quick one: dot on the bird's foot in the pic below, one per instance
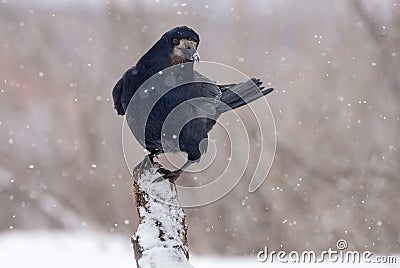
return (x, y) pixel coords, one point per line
(151, 157)
(172, 176)
(154, 155)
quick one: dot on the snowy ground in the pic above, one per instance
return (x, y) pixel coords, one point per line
(89, 249)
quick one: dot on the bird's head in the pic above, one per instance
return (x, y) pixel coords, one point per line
(183, 42)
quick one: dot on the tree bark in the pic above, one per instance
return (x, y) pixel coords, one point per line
(161, 236)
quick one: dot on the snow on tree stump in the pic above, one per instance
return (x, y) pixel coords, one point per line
(160, 239)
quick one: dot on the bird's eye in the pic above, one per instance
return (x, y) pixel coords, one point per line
(175, 41)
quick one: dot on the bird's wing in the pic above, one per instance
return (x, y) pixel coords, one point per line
(199, 77)
(211, 89)
(116, 94)
(124, 89)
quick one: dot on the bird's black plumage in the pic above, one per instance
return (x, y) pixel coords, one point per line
(176, 117)
(155, 60)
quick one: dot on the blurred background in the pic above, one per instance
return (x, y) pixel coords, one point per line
(335, 67)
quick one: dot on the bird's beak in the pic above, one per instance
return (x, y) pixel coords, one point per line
(189, 48)
(195, 56)
(185, 51)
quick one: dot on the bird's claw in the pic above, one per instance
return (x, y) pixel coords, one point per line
(153, 155)
(172, 176)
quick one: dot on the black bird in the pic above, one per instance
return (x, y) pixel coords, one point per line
(176, 116)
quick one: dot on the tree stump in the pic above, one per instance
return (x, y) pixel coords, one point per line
(160, 239)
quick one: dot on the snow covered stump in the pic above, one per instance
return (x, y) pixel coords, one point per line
(160, 239)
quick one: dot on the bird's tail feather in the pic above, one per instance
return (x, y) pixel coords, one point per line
(235, 96)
